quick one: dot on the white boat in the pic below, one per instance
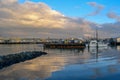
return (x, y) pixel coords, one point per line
(94, 43)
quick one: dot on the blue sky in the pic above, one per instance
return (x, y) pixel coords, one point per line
(80, 8)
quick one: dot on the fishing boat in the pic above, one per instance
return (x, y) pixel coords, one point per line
(94, 43)
(97, 43)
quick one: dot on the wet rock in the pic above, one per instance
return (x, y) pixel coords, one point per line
(10, 59)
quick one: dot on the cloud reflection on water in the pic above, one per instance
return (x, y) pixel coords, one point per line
(57, 62)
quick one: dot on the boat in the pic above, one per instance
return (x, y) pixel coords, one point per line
(95, 43)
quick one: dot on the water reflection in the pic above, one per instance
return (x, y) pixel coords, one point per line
(17, 48)
(40, 67)
(95, 50)
(118, 48)
(63, 64)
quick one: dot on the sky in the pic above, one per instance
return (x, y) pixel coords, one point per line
(80, 8)
(59, 18)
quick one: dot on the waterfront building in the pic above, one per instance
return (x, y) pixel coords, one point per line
(1, 40)
(118, 40)
(50, 40)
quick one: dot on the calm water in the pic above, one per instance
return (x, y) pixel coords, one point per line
(64, 64)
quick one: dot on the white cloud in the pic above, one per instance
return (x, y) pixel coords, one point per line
(39, 20)
(98, 7)
(113, 15)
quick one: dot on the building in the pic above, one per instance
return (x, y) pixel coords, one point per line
(1, 40)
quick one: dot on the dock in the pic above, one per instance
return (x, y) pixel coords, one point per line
(64, 46)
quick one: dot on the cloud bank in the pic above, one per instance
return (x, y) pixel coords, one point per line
(40, 20)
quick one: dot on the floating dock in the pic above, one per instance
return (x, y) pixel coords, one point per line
(64, 46)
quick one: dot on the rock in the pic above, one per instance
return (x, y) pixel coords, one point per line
(10, 59)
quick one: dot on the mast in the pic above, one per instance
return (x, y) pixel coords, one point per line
(97, 43)
(97, 34)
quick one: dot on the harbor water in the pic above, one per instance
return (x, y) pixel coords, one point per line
(63, 64)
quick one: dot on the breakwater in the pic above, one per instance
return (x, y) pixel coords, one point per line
(10, 59)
